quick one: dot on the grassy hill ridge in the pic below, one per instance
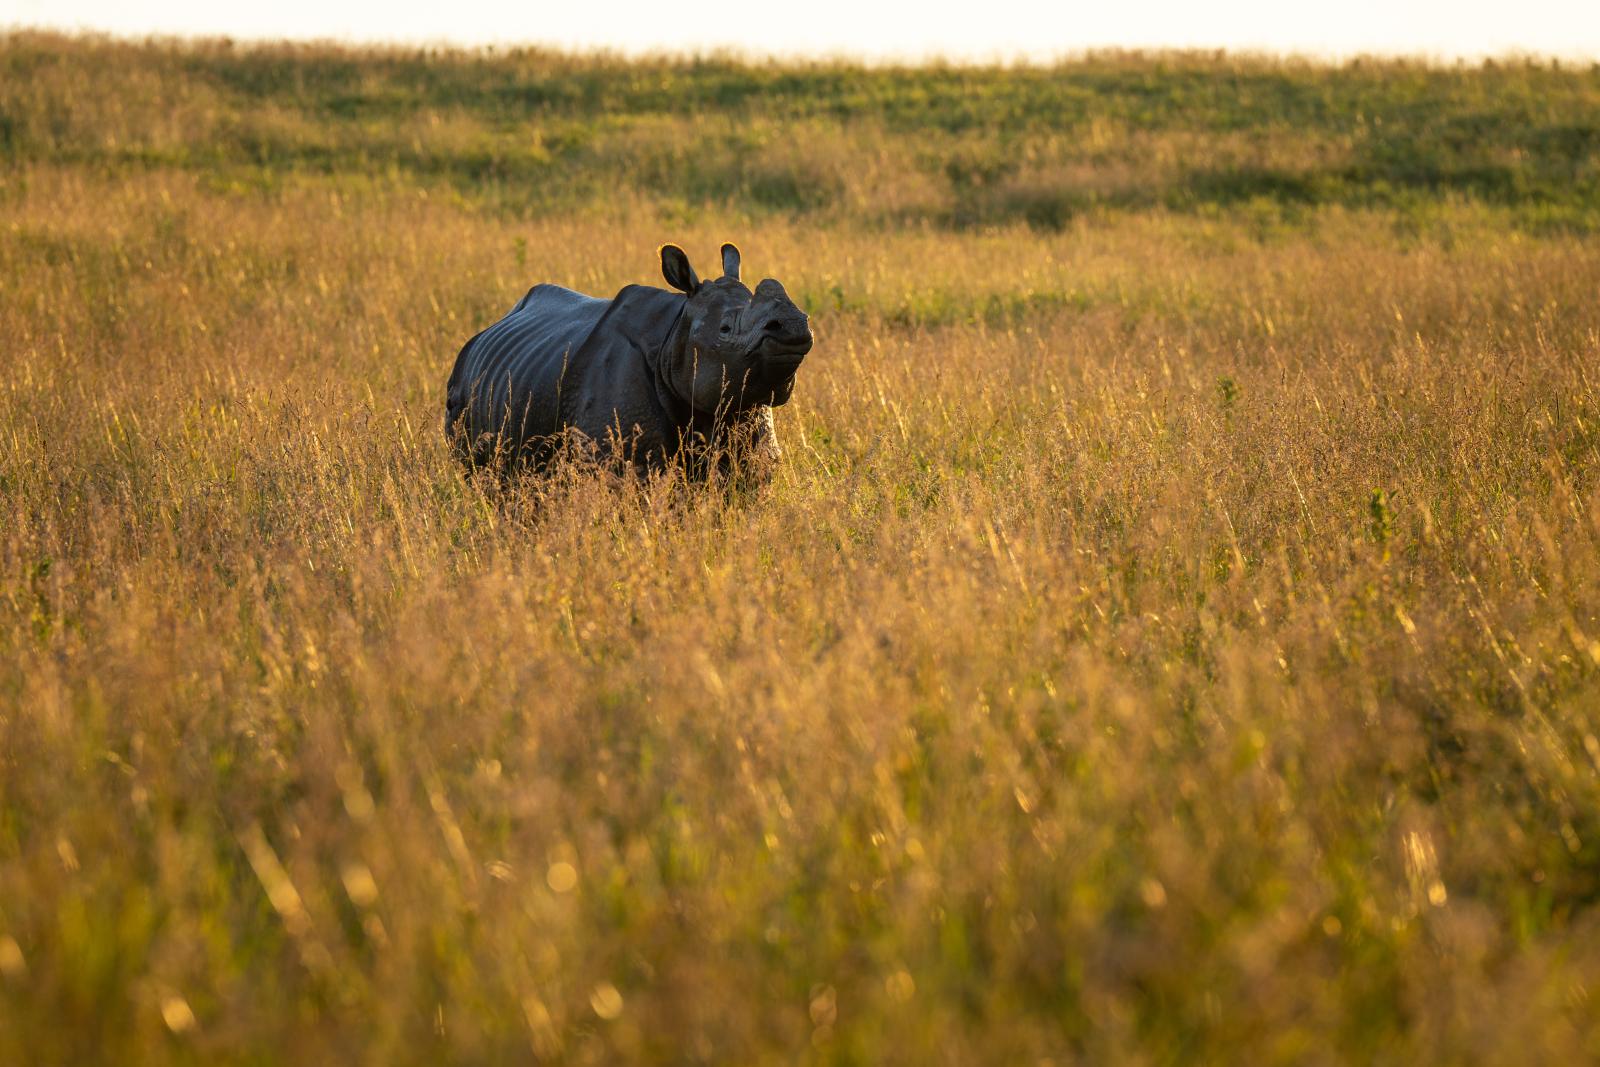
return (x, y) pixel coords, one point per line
(952, 146)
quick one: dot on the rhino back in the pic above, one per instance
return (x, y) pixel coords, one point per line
(611, 394)
(505, 389)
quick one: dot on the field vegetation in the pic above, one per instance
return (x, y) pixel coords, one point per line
(1172, 635)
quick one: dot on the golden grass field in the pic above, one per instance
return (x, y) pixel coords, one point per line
(1172, 634)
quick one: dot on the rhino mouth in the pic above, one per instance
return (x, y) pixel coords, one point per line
(778, 352)
(772, 380)
(774, 361)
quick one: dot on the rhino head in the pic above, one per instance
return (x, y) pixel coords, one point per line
(734, 349)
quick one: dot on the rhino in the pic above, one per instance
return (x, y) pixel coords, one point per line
(644, 378)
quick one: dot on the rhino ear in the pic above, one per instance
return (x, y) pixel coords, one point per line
(675, 268)
(730, 261)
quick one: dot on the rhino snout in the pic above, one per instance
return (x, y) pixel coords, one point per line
(789, 334)
(793, 329)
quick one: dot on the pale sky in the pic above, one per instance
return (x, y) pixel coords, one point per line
(970, 30)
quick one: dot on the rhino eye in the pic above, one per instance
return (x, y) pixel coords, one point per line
(726, 328)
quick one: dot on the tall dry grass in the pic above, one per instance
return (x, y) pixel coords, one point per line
(1168, 638)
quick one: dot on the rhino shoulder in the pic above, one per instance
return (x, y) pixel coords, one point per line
(557, 300)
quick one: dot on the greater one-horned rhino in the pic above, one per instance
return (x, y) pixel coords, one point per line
(646, 376)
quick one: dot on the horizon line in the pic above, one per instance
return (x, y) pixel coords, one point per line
(745, 55)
